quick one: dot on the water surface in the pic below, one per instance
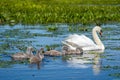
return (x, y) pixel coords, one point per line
(92, 66)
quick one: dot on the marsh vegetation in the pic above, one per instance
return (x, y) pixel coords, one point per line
(59, 11)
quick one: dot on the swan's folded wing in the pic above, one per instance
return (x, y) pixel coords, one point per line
(80, 40)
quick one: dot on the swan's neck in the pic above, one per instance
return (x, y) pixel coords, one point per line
(97, 39)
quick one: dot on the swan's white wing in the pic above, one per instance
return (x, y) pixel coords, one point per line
(80, 40)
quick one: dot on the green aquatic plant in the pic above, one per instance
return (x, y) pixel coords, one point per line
(7, 64)
(4, 46)
(83, 29)
(106, 67)
(116, 48)
(58, 11)
(111, 67)
(74, 28)
(52, 28)
(115, 75)
(49, 47)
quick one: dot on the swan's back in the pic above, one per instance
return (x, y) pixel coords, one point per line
(80, 40)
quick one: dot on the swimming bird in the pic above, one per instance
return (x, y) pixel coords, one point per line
(52, 53)
(22, 55)
(82, 41)
(67, 51)
(36, 59)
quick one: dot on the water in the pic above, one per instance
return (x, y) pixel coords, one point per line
(92, 66)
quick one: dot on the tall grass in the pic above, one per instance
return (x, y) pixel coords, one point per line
(59, 11)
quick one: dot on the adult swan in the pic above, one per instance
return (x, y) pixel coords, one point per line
(74, 41)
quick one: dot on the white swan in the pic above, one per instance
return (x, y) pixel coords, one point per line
(75, 40)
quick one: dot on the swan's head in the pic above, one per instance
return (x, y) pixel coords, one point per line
(98, 29)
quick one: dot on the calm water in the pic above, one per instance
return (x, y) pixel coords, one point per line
(92, 66)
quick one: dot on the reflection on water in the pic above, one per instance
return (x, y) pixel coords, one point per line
(86, 60)
(97, 64)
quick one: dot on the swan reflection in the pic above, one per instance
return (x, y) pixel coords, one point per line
(87, 60)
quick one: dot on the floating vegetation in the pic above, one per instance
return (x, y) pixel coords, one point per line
(111, 67)
(116, 48)
(108, 29)
(115, 75)
(111, 59)
(109, 55)
(4, 46)
(58, 11)
(103, 56)
(52, 28)
(15, 33)
(7, 64)
(49, 47)
(36, 34)
(77, 28)
(82, 29)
